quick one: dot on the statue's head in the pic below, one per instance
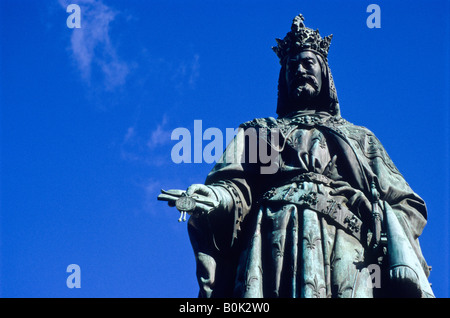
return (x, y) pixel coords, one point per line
(305, 81)
(303, 76)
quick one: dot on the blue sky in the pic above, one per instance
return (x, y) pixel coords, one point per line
(86, 118)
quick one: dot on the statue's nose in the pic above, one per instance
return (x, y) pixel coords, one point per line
(301, 70)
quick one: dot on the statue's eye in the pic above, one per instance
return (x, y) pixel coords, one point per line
(308, 62)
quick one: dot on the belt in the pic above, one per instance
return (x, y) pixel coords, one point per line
(315, 199)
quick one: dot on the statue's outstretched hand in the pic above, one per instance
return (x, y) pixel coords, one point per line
(197, 199)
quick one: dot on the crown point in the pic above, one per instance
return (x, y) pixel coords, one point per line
(301, 36)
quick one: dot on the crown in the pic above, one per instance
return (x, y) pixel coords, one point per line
(302, 38)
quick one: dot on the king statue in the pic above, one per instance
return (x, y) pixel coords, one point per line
(330, 217)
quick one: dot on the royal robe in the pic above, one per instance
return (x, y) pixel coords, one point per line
(284, 234)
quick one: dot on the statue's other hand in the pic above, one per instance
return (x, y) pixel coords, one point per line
(356, 198)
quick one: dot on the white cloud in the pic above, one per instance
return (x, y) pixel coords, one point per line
(151, 150)
(91, 46)
(186, 73)
(195, 72)
(159, 136)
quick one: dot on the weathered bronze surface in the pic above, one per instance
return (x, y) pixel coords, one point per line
(334, 218)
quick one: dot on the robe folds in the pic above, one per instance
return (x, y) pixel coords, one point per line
(286, 232)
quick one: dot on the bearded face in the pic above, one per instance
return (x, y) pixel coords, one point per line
(303, 77)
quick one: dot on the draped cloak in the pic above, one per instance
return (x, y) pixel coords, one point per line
(285, 235)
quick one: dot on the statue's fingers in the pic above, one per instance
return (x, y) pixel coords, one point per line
(193, 188)
(343, 191)
(198, 189)
(366, 206)
(167, 197)
(338, 184)
(359, 201)
(174, 192)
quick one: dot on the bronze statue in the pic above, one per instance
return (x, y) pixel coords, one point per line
(332, 209)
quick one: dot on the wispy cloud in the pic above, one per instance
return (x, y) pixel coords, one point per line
(151, 150)
(91, 46)
(187, 72)
(159, 136)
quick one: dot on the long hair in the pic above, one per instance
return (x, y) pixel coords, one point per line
(326, 100)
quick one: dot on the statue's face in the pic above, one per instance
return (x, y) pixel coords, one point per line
(303, 76)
